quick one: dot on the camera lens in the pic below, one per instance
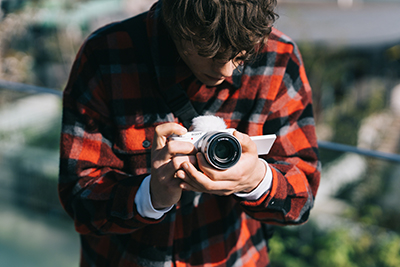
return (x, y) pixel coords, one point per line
(222, 150)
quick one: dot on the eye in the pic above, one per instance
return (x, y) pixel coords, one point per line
(238, 61)
(241, 58)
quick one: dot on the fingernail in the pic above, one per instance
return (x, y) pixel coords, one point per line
(184, 130)
(182, 175)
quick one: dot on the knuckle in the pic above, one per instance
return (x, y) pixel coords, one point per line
(158, 129)
(176, 163)
(169, 146)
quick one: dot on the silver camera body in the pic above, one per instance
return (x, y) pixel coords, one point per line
(221, 148)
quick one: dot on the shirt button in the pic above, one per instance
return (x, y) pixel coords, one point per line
(146, 143)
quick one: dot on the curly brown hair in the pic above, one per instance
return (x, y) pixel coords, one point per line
(221, 29)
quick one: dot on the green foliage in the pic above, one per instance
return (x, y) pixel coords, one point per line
(345, 246)
(347, 86)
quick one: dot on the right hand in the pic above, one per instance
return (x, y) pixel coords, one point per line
(166, 158)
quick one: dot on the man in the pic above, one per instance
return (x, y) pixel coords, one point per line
(140, 199)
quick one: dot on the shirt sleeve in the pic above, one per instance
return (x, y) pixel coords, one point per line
(97, 184)
(293, 158)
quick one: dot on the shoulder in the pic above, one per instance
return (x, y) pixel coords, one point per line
(278, 36)
(279, 52)
(118, 35)
(282, 44)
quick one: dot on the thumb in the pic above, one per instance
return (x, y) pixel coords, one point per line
(162, 132)
(245, 141)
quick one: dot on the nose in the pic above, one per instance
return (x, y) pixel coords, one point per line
(224, 69)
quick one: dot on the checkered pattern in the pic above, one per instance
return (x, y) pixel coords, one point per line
(112, 103)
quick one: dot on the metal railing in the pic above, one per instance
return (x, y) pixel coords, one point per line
(360, 151)
(27, 88)
(21, 87)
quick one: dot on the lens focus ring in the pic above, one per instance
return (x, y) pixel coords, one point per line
(222, 150)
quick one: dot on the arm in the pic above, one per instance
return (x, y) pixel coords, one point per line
(99, 176)
(294, 156)
(93, 187)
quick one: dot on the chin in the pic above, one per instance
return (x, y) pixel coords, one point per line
(209, 81)
(213, 83)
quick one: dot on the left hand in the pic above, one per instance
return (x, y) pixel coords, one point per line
(243, 177)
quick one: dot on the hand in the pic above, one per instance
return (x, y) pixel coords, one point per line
(243, 177)
(166, 159)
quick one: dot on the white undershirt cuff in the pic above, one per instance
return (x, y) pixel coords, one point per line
(143, 202)
(263, 187)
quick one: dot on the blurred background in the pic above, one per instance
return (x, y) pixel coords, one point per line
(351, 50)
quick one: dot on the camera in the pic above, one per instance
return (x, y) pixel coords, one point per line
(221, 148)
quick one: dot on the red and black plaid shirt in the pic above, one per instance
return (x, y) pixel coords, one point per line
(112, 103)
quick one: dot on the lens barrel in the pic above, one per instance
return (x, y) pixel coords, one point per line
(222, 150)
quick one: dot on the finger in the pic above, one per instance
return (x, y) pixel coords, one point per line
(181, 148)
(222, 192)
(197, 181)
(204, 166)
(214, 174)
(191, 175)
(172, 150)
(189, 187)
(185, 181)
(245, 141)
(180, 174)
(179, 160)
(162, 131)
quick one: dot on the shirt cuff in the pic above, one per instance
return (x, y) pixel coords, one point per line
(263, 187)
(143, 202)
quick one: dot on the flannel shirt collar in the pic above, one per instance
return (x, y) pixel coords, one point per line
(169, 67)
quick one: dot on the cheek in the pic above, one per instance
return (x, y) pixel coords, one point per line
(194, 60)
(200, 64)
(197, 66)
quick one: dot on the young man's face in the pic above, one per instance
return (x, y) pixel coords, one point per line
(211, 72)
